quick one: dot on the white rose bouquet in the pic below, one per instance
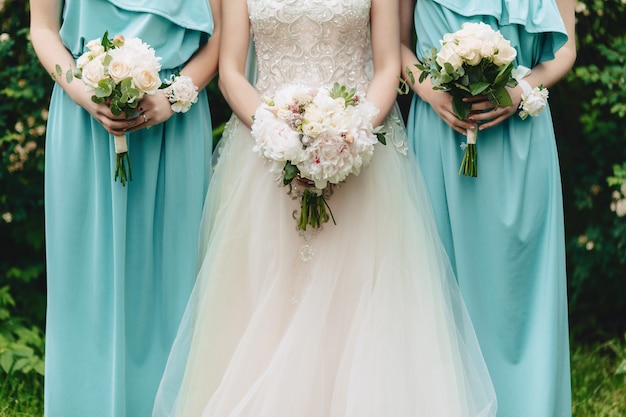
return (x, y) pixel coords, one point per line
(120, 72)
(475, 60)
(315, 138)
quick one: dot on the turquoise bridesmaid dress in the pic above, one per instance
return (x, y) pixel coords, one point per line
(504, 230)
(121, 260)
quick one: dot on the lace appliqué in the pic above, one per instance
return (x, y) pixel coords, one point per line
(310, 42)
(395, 130)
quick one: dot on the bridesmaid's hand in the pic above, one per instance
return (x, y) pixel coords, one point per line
(152, 110)
(441, 103)
(485, 113)
(116, 125)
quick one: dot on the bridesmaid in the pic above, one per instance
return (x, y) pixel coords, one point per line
(121, 260)
(503, 230)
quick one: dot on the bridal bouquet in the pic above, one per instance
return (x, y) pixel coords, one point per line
(315, 138)
(120, 72)
(475, 60)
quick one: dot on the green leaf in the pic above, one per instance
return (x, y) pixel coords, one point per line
(291, 171)
(381, 137)
(115, 108)
(20, 365)
(504, 75)
(500, 96)
(6, 361)
(477, 89)
(460, 108)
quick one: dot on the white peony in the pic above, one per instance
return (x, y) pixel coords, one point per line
(334, 140)
(182, 93)
(275, 140)
(533, 102)
(138, 53)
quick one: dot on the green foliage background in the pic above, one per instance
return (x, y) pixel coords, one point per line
(589, 109)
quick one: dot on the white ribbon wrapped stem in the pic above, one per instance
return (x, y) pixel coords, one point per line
(121, 145)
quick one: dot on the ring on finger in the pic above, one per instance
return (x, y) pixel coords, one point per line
(145, 119)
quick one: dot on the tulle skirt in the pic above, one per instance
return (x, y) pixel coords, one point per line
(361, 319)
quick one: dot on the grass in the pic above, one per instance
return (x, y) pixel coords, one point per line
(599, 379)
(21, 395)
(598, 384)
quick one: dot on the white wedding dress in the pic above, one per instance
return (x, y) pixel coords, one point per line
(363, 318)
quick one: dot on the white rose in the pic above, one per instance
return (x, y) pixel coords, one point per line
(284, 113)
(448, 38)
(487, 50)
(119, 69)
(313, 112)
(95, 47)
(469, 50)
(83, 60)
(312, 128)
(146, 80)
(468, 30)
(505, 53)
(92, 74)
(448, 54)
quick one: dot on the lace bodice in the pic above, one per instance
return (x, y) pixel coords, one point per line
(310, 42)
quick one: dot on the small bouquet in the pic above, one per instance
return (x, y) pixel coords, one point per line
(475, 60)
(315, 138)
(119, 71)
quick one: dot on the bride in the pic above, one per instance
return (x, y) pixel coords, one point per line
(359, 318)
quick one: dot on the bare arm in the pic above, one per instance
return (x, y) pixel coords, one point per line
(386, 56)
(242, 97)
(44, 28)
(546, 74)
(201, 68)
(440, 101)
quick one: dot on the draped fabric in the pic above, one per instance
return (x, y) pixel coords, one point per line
(504, 229)
(175, 37)
(362, 318)
(121, 260)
